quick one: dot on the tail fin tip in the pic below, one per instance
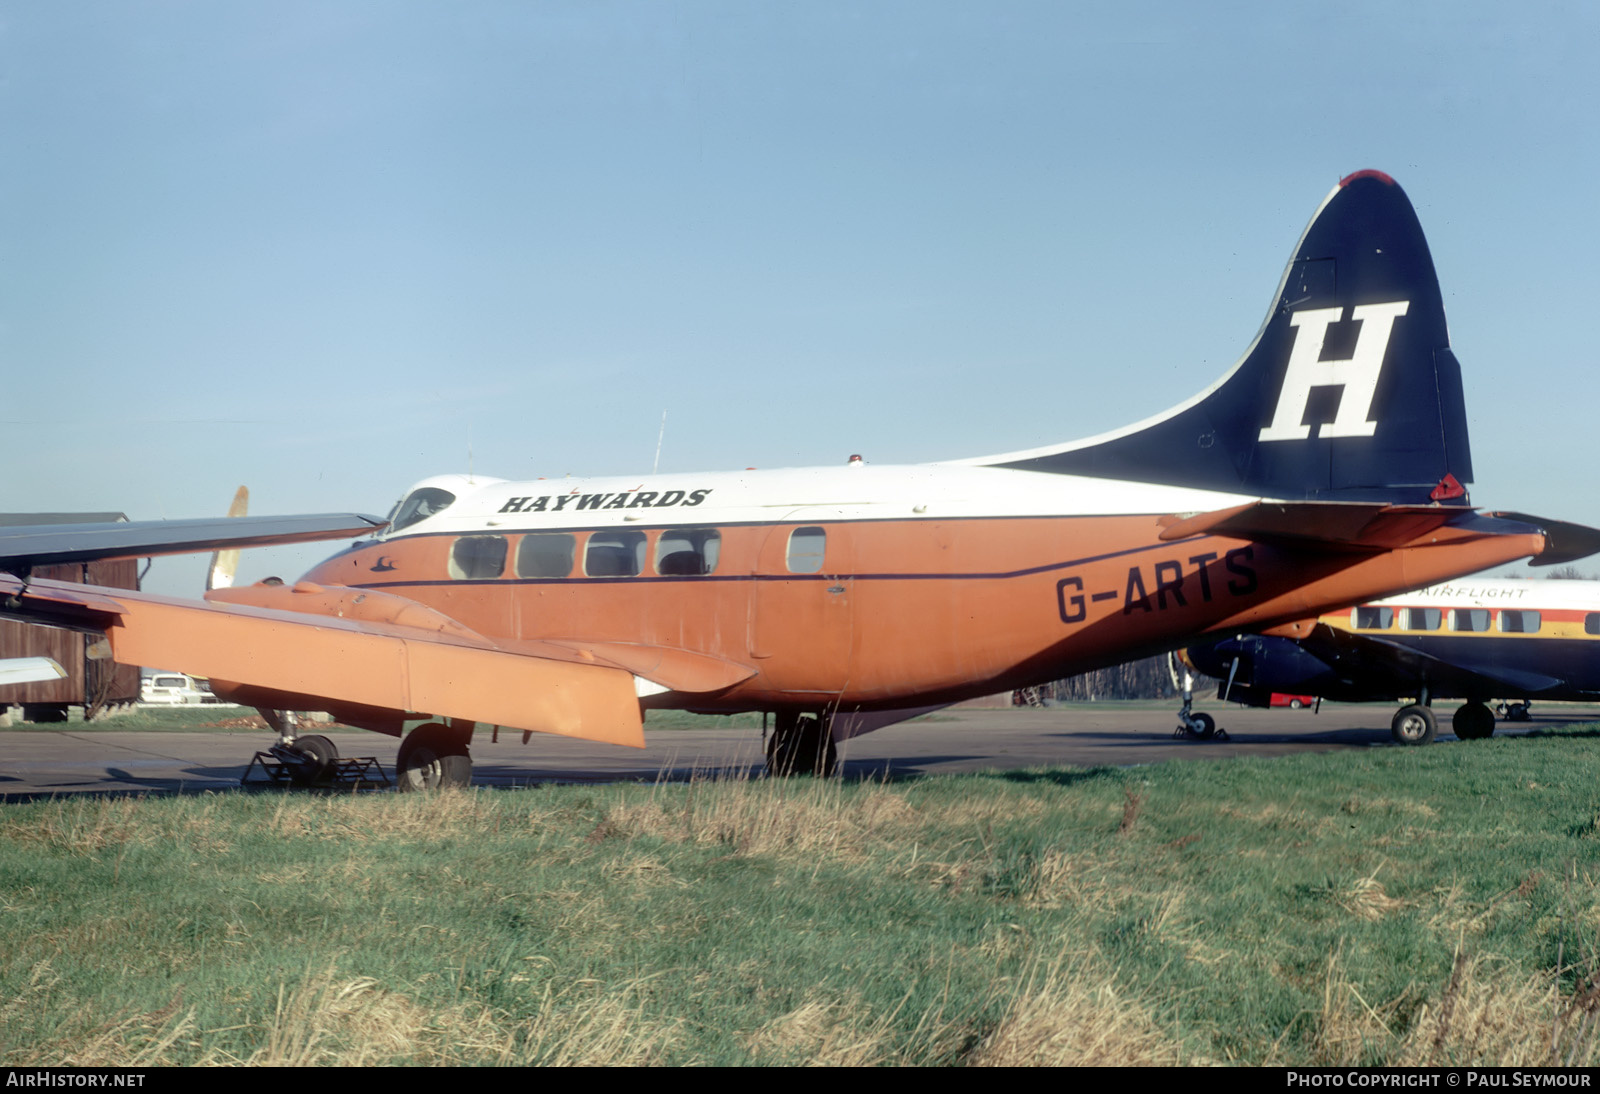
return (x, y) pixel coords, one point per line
(1369, 173)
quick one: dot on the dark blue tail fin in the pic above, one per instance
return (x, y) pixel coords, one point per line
(1348, 393)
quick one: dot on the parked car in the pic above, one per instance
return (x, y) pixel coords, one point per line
(1293, 702)
(171, 689)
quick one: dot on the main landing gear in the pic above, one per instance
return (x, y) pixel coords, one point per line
(435, 757)
(801, 744)
(1413, 725)
(1417, 725)
(1473, 721)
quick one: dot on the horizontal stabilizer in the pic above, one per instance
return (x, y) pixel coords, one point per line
(1348, 526)
(1563, 541)
(1353, 525)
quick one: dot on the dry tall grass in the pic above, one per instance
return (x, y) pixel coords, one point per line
(1073, 1013)
(1486, 1014)
(352, 1022)
(329, 1020)
(826, 1033)
(806, 817)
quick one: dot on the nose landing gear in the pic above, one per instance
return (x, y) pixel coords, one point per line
(1191, 725)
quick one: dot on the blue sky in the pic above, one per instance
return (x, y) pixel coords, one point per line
(326, 248)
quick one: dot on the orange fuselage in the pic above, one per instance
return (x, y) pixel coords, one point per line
(906, 612)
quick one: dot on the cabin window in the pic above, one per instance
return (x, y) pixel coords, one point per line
(1374, 619)
(1469, 619)
(1421, 619)
(1519, 622)
(546, 554)
(806, 548)
(682, 552)
(614, 554)
(419, 505)
(1591, 623)
(478, 558)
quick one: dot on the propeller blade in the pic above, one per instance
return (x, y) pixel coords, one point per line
(224, 564)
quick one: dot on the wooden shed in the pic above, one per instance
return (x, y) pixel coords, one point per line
(92, 684)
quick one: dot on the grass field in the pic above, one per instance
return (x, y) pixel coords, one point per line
(1401, 906)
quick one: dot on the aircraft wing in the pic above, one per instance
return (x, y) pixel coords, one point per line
(423, 670)
(1369, 653)
(26, 670)
(26, 546)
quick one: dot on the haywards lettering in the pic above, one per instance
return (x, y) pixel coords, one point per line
(642, 499)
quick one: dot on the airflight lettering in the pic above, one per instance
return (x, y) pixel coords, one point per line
(643, 499)
(1164, 585)
(1474, 592)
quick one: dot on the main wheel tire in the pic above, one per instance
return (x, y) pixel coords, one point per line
(1473, 722)
(318, 757)
(433, 757)
(1414, 725)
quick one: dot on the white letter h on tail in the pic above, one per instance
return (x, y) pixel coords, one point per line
(1358, 375)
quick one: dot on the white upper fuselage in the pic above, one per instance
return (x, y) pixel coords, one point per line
(1469, 592)
(851, 493)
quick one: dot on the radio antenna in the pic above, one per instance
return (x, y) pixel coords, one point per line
(659, 438)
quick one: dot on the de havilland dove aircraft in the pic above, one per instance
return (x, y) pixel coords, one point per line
(1476, 639)
(1324, 469)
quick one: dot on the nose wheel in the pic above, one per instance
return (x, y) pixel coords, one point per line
(1198, 726)
(1192, 725)
(311, 759)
